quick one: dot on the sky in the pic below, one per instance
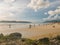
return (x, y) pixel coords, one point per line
(30, 10)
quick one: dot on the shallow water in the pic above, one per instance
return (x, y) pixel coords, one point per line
(4, 26)
(23, 28)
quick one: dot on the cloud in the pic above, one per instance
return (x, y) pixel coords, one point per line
(38, 4)
(10, 9)
(5, 11)
(58, 7)
(50, 18)
(4, 15)
(9, 1)
(57, 11)
(53, 15)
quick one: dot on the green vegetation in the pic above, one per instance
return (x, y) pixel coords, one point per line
(16, 39)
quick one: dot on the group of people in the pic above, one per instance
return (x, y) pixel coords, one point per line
(30, 26)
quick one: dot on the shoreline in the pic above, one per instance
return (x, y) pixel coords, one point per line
(46, 30)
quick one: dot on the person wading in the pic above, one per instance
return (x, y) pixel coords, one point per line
(30, 26)
(9, 25)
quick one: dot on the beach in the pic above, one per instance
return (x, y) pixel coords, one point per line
(36, 31)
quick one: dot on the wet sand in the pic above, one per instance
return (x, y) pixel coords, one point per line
(36, 32)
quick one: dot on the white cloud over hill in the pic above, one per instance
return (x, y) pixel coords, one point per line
(57, 11)
(53, 15)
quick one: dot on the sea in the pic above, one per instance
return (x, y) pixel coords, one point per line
(4, 26)
(7, 28)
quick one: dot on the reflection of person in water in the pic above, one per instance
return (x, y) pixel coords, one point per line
(9, 25)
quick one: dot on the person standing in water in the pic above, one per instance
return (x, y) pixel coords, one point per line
(9, 25)
(30, 26)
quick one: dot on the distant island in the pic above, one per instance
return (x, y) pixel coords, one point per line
(15, 22)
(52, 21)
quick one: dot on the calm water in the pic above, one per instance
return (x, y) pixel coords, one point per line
(4, 26)
(16, 27)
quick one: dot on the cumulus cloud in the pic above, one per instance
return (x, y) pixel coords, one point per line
(53, 15)
(8, 7)
(57, 11)
(4, 15)
(50, 18)
(38, 4)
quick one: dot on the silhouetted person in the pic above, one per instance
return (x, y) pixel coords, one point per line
(9, 25)
(30, 26)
